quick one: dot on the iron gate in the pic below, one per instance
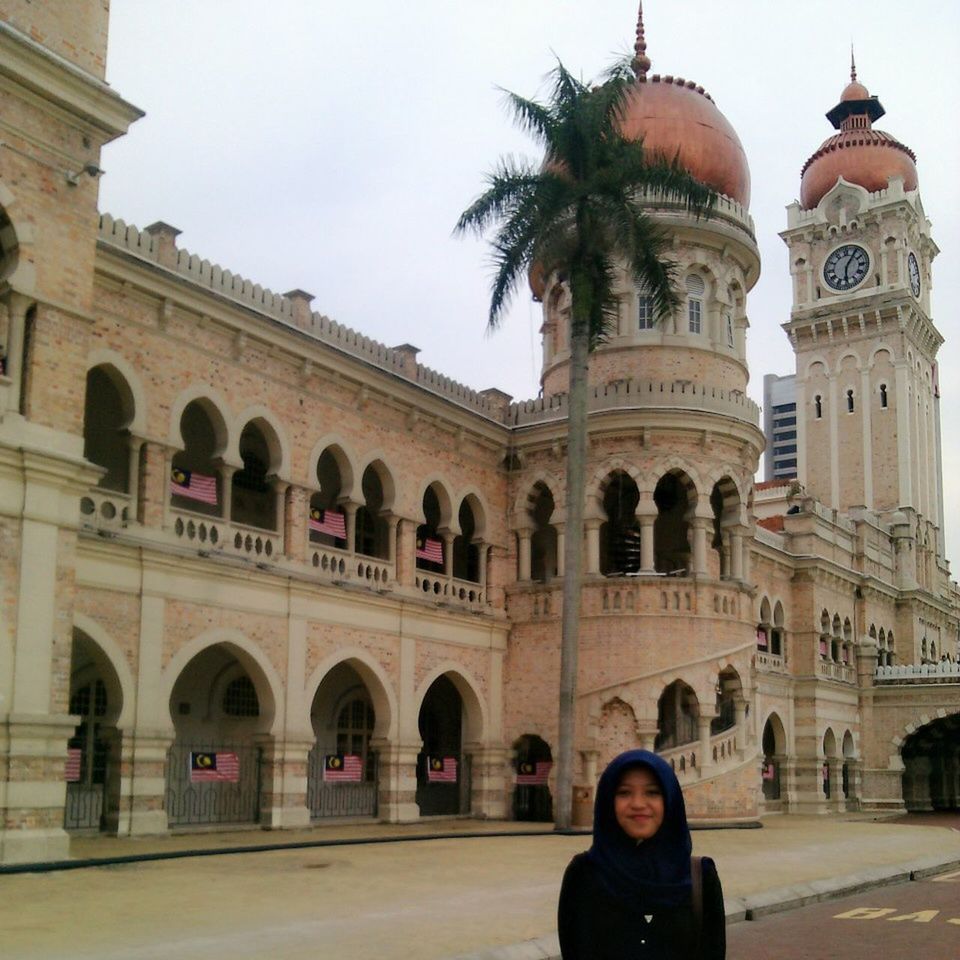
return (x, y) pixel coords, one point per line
(213, 801)
(341, 799)
(83, 809)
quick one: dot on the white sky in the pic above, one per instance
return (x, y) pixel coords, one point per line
(331, 146)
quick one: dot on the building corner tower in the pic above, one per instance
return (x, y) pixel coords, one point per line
(860, 252)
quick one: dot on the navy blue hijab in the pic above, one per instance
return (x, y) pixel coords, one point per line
(655, 871)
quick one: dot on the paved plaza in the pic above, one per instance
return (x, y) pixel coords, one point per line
(431, 899)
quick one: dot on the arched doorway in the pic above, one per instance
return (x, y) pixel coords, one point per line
(342, 769)
(931, 759)
(774, 746)
(675, 497)
(222, 711)
(442, 777)
(677, 713)
(531, 794)
(92, 770)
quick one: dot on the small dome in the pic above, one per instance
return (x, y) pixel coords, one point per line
(676, 118)
(854, 90)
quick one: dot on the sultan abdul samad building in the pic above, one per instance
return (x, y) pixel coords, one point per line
(258, 568)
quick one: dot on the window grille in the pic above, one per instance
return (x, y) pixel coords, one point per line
(240, 698)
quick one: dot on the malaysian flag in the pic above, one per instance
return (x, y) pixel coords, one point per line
(71, 772)
(342, 768)
(330, 522)
(430, 549)
(823, 648)
(768, 771)
(193, 486)
(531, 774)
(222, 765)
(441, 771)
(761, 638)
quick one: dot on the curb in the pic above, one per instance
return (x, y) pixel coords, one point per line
(755, 906)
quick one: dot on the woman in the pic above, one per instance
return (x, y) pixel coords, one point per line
(633, 894)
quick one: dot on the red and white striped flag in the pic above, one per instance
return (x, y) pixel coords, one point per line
(441, 771)
(331, 522)
(431, 550)
(71, 772)
(222, 765)
(533, 774)
(342, 768)
(193, 486)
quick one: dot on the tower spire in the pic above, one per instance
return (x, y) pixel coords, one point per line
(853, 65)
(641, 62)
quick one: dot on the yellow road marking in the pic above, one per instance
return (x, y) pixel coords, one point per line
(947, 877)
(865, 913)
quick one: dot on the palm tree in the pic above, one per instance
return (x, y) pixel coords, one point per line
(578, 217)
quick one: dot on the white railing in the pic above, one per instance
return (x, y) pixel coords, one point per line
(104, 509)
(836, 671)
(687, 760)
(443, 589)
(342, 566)
(943, 672)
(770, 662)
(212, 533)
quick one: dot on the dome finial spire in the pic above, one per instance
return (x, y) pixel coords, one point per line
(853, 65)
(641, 62)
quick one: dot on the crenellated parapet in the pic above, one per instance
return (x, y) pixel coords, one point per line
(641, 394)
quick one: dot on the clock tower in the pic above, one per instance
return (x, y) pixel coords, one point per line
(865, 343)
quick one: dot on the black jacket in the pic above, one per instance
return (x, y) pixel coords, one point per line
(593, 925)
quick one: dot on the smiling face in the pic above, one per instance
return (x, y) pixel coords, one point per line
(638, 803)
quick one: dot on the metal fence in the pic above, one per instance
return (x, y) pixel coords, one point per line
(84, 806)
(217, 801)
(341, 799)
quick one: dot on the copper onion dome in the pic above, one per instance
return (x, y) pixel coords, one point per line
(677, 118)
(858, 153)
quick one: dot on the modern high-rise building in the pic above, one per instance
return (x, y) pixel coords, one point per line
(780, 427)
(258, 568)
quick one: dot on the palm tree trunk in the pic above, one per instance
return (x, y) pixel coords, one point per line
(573, 562)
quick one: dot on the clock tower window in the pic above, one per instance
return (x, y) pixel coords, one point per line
(818, 406)
(849, 401)
(695, 290)
(883, 396)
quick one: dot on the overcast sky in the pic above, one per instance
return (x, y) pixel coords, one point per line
(331, 146)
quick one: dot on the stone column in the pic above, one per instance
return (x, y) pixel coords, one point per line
(523, 553)
(592, 530)
(168, 454)
(406, 550)
(133, 484)
(296, 518)
(736, 554)
(448, 536)
(226, 481)
(397, 775)
(17, 305)
(153, 485)
(350, 508)
(561, 529)
(647, 556)
(487, 782)
(740, 712)
(279, 512)
(146, 766)
(699, 525)
(704, 754)
(283, 782)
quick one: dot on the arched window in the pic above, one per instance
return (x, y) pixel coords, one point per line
(849, 401)
(373, 532)
(620, 534)
(430, 547)
(328, 525)
(466, 553)
(543, 541)
(645, 312)
(777, 633)
(728, 326)
(108, 409)
(196, 483)
(883, 396)
(677, 713)
(818, 407)
(674, 498)
(254, 502)
(695, 292)
(763, 627)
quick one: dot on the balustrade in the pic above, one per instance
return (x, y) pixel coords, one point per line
(770, 662)
(837, 671)
(464, 593)
(104, 509)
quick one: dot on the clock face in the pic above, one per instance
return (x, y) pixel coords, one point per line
(913, 270)
(846, 266)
